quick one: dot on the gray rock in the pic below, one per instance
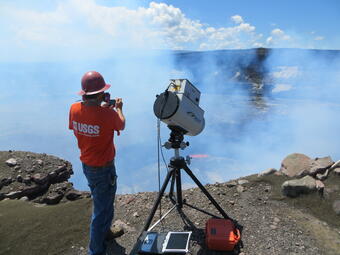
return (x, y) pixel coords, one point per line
(39, 205)
(14, 194)
(124, 226)
(19, 178)
(325, 162)
(320, 186)
(242, 181)
(73, 195)
(34, 190)
(29, 170)
(240, 188)
(279, 173)
(336, 207)
(273, 226)
(231, 184)
(86, 194)
(116, 231)
(319, 165)
(61, 169)
(276, 220)
(40, 178)
(27, 179)
(24, 198)
(295, 164)
(11, 162)
(294, 188)
(269, 171)
(52, 175)
(323, 176)
(5, 182)
(39, 162)
(337, 171)
(267, 188)
(52, 199)
(62, 176)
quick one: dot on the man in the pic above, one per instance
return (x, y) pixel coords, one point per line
(93, 123)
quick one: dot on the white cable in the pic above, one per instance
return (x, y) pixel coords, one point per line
(159, 165)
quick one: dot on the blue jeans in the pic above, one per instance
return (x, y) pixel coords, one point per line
(103, 186)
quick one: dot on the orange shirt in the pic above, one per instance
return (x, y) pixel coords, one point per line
(94, 128)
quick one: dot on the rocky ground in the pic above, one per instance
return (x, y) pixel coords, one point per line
(281, 211)
(39, 178)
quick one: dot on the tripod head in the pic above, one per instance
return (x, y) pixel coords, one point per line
(176, 138)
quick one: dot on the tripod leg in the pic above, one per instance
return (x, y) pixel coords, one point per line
(199, 184)
(179, 188)
(171, 192)
(158, 200)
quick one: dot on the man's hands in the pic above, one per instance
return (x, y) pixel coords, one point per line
(119, 110)
(118, 105)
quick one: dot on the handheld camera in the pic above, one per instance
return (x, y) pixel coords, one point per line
(107, 99)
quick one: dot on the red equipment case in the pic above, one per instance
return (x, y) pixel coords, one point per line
(221, 235)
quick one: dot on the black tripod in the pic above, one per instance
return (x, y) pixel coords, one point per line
(174, 176)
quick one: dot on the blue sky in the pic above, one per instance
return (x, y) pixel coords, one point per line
(32, 28)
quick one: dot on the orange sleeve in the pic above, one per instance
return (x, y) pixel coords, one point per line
(70, 126)
(117, 122)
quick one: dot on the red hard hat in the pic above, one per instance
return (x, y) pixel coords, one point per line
(93, 83)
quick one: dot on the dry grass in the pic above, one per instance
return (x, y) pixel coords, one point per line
(28, 229)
